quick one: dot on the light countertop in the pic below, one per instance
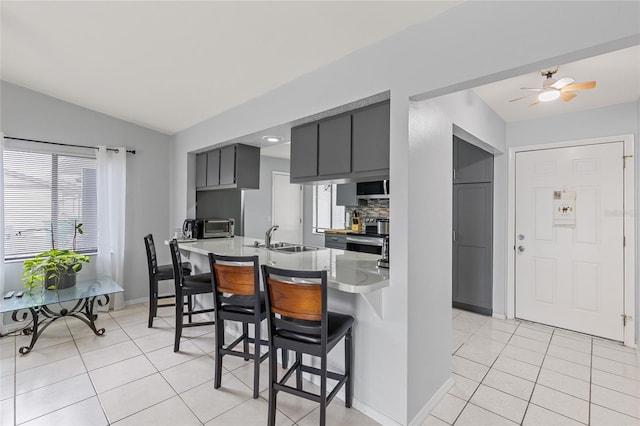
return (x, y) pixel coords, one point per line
(347, 271)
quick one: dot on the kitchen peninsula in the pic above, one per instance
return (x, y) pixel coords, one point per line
(347, 271)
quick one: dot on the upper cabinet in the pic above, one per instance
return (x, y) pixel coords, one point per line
(213, 168)
(232, 166)
(370, 138)
(201, 170)
(304, 148)
(350, 146)
(471, 164)
(334, 145)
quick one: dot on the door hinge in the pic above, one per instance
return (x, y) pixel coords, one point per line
(454, 174)
(454, 235)
(624, 241)
(625, 318)
(624, 160)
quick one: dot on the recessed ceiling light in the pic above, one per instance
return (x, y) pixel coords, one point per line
(272, 138)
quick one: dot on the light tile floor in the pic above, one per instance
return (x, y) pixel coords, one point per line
(517, 372)
(506, 372)
(131, 376)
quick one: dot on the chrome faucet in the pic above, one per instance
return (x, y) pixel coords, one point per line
(267, 236)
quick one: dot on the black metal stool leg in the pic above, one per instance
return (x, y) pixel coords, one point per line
(348, 347)
(179, 319)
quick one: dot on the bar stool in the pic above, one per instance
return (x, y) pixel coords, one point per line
(188, 286)
(158, 273)
(237, 297)
(298, 320)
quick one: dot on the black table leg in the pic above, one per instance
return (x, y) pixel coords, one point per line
(42, 317)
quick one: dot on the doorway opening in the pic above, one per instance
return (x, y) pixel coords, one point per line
(286, 205)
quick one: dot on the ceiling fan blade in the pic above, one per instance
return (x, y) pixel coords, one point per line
(579, 86)
(562, 82)
(535, 89)
(567, 96)
(523, 97)
(536, 102)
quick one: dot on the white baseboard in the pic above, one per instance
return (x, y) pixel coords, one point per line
(499, 316)
(431, 404)
(357, 404)
(12, 327)
(135, 301)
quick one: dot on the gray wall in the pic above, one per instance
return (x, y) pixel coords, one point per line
(257, 202)
(431, 128)
(28, 114)
(427, 60)
(221, 204)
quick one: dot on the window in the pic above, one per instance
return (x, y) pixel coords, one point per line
(326, 215)
(44, 195)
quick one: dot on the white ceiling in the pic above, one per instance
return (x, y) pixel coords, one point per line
(618, 81)
(168, 65)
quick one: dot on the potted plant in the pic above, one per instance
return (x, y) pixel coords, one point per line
(55, 268)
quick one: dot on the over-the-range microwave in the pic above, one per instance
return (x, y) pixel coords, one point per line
(216, 228)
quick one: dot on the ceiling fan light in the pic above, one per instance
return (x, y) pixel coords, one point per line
(549, 95)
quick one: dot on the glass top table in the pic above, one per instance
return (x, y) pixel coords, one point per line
(46, 306)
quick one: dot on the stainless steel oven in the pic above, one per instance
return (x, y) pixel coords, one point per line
(365, 243)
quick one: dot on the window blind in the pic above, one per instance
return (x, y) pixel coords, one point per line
(45, 195)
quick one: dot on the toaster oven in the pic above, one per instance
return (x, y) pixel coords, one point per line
(217, 228)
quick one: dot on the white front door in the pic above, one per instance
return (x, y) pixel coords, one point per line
(569, 238)
(287, 209)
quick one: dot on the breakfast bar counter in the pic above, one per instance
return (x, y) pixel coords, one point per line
(347, 271)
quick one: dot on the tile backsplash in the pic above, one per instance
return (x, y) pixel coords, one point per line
(374, 208)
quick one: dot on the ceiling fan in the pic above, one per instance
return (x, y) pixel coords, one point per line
(553, 89)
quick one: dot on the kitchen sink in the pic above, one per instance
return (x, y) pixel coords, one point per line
(295, 249)
(286, 247)
(292, 248)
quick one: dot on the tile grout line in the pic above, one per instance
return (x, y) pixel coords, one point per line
(482, 380)
(535, 383)
(59, 381)
(590, 382)
(559, 391)
(104, 413)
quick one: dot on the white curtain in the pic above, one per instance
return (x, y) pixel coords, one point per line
(1, 214)
(111, 171)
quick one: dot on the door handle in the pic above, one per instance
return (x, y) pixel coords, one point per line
(520, 249)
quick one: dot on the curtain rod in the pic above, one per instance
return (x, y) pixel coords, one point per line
(130, 151)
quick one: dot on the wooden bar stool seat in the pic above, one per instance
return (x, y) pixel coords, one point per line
(298, 320)
(237, 297)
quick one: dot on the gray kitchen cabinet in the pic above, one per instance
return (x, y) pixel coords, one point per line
(228, 165)
(232, 166)
(370, 139)
(346, 194)
(213, 168)
(335, 241)
(334, 145)
(201, 170)
(352, 146)
(304, 151)
(470, 163)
